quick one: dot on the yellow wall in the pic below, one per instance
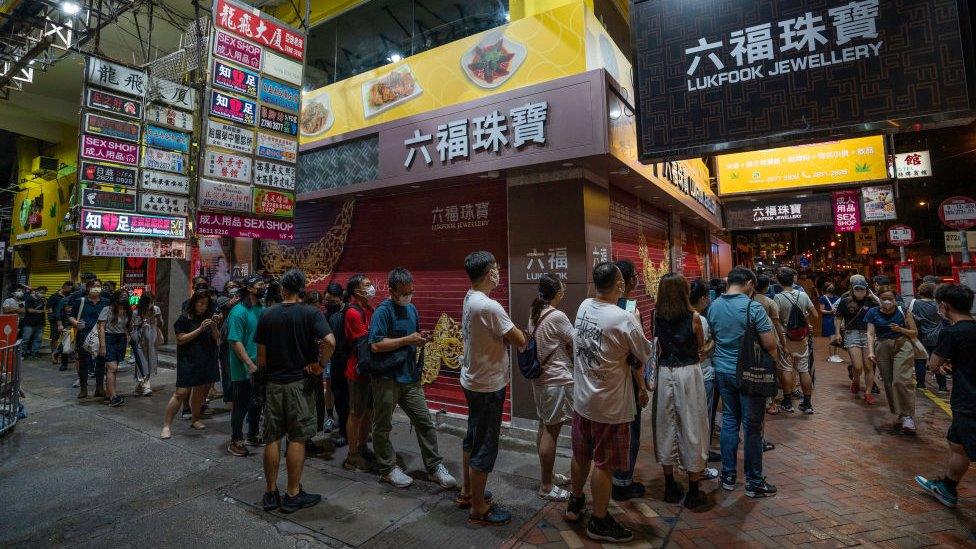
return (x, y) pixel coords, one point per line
(520, 9)
(56, 192)
(321, 10)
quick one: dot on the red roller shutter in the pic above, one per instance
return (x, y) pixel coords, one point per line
(693, 251)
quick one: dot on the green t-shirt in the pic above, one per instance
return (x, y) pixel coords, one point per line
(242, 324)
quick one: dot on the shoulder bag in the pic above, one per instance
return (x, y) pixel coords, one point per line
(755, 368)
(528, 358)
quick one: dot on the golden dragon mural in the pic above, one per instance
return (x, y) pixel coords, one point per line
(444, 349)
(318, 260)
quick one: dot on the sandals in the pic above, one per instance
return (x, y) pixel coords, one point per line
(772, 409)
(198, 425)
(494, 517)
(166, 433)
(555, 494)
(464, 502)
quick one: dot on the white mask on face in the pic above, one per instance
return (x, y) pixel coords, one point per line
(370, 292)
(404, 300)
(887, 303)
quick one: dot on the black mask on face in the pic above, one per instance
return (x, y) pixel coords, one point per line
(261, 292)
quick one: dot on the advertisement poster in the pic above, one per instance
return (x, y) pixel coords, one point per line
(115, 104)
(165, 182)
(115, 77)
(847, 215)
(280, 95)
(237, 50)
(107, 175)
(167, 161)
(879, 203)
(221, 195)
(94, 221)
(231, 108)
(282, 68)
(272, 174)
(276, 203)
(110, 246)
(167, 139)
(235, 79)
(277, 148)
(155, 203)
(227, 166)
(108, 200)
(221, 259)
(175, 95)
(169, 117)
(866, 240)
(110, 150)
(229, 136)
(278, 121)
(252, 24)
(245, 226)
(110, 127)
(913, 164)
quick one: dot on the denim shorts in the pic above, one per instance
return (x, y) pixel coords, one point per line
(115, 345)
(855, 338)
(484, 427)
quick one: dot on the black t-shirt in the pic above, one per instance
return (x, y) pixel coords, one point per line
(290, 333)
(853, 312)
(957, 343)
(34, 319)
(201, 351)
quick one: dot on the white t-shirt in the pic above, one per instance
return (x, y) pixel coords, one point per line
(485, 367)
(603, 384)
(553, 339)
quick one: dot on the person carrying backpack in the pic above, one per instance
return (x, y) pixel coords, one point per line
(796, 311)
(925, 311)
(360, 292)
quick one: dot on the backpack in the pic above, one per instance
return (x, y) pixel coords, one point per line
(528, 358)
(337, 322)
(755, 368)
(368, 362)
(928, 328)
(797, 328)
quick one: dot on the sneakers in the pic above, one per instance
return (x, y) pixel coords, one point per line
(253, 440)
(714, 457)
(355, 462)
(396, 477)
(761, 489)
(237, 448)
(494, 517)
(575, 508)
(271, 501)
(875, 390)
(631, 491)
(116, 401)
(442, 477)
(301, 500)
(709, 473)
(608, 529)
(788, 407)
(673, 492)
(806, 408)
(908, 425)
(340, 441)
(728, 482)
(76, 384)
(186, 414)
(555, 494)
(938, 489)
(768, 446)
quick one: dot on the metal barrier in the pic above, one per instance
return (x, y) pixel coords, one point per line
(10, 374)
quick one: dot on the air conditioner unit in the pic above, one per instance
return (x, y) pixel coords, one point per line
(45, 166)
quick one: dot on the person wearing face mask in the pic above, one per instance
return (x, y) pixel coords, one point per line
(200, 284)
(54, 304)
(242, 325)
(394, 336)
(336, 408)
(851, 330)
(890, 349)
(147, 337)
(225, 303)
(14, 305)
(360, 293)
(35, 307)
(829, 301)
(86, 311)
(66, 312)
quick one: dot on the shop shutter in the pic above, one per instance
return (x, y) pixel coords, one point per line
(693, 251)
(45, 270)
(105, 268)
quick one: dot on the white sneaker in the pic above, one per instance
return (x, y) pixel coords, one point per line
(397, 478)
(836, 359)
(556, 494)
(709, 473)
(908, 425)
(76, 384)
(442, 477)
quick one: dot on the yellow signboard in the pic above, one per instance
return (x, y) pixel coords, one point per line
(857, 160)
(953, 244)
(866, 241)
(39, 211)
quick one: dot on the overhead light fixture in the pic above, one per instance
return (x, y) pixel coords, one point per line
(70, 8)
(394, 58)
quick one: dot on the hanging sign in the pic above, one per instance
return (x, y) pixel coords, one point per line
(277, 203)
(953, 243)
(912, 165)
(237, 50)
(169, 117)
(847, 217)
(231, 108)
(227, 166)
(220, 195)
(231, 137)
(280, 95)
(245, 226)
(168, 161)
(234, 79)
(278, 121)
(866, 240)
(254, 25)
(878, 203)
(156, 203)
(165, 182)
(175, 95)
(107, 175)
(110, 127)
(901, 235)
(167, 139)
(281, 68)
(111, 150)
(272, 174)
(958, 212)
(94, 221)
(787, 212)
(115, 104)
(277, 148)
(113, 76)
(112, 246)
(108, 200)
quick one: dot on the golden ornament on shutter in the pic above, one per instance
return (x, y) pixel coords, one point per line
(318, 260)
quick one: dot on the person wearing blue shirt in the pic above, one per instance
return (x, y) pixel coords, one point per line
(394, 335)
(84, 312)
(727, 317)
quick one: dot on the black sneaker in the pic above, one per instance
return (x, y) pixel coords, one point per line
(116, 401)
(301, 500)
(631, 491)
(768, 446)
(271, 501)
(575, 508)
(761, 489)
(728, 482)
(340, 441)
(608, 529)
(673, 493)
(875, 390)
(806, 409)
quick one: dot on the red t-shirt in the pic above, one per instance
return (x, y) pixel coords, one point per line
(357, 326)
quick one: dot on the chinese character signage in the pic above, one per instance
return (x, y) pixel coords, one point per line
(227, 166)
(156, 203)
(281, 68)
(166, 182)
(878, 203)
(110, 150)
(953, 242)
(452, 217)
(913, 164)
(808, 211)
(232, 108)
(276, 203)
(235, 79)
(958, 212)
(115, 77)
(277, 148)
(866, 240)
(744, 72)
(167, 139)
(856, 160)
(94, 221)
(111, 246)
(107, 175)
(107, 200)
(213, 224)
(115, 104)
(231, 137)
(901, 235)
(272, 174)
(175, 95)
(252, 24)
(169, 161)
(280, 95)
(169, 117)
(847, 211)
(548, 260)
(220, 195)
(278, 121)
(237, 50)
(110, 127)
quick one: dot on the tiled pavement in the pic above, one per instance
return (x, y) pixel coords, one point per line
(844, 479)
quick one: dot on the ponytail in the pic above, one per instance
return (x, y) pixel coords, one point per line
(549, 286)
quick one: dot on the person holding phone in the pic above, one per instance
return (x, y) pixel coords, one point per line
(890, 333)
(394, 336)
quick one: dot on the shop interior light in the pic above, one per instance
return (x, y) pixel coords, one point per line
(394, 58)
(70, 8)
(921, 202)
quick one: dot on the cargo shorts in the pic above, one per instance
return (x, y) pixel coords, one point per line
(289, 410)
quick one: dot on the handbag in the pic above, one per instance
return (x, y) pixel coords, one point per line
(755, 368)
(91, 343)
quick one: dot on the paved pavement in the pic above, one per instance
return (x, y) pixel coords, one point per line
(88, 475)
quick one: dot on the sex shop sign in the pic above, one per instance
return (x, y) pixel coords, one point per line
(847, 211)
(245, 226)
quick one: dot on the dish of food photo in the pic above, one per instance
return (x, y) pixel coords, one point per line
(317, 116)
(493, 60)
(389, 91)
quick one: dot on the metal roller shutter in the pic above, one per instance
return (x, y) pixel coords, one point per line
(46, 270)
(105, 268)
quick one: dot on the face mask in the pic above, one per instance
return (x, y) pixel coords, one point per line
(261, 293)
(96, 290)
(41, 295)
(370, 292)
(404, 300)
(232, 292)
(887, 303)
(19, 295)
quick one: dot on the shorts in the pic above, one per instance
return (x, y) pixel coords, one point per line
(962, 431)
(795, 356)
(553, 403)
(484, 426)
(606, 444)
(115, 345)
(360, 395)
(855, 338)
(289, 410)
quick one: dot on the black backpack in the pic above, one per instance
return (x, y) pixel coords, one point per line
(797, 328)
(528, 358)
(368, 362)
(755, 368)
(337, 322)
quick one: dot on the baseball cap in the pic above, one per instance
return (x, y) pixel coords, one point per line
(251, 280)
